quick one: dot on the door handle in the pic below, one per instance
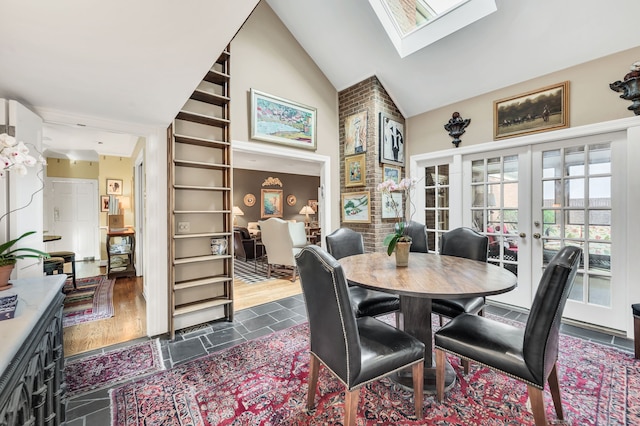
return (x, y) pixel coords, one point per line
(522, 235)
(536, 236)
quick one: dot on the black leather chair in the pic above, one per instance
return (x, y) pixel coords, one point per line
(356, 351)
(245, 247)
(528, 354)
(345, 242)
(418, 233)
(467, 243)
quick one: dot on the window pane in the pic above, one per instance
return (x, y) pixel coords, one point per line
(600, 159)
(577, 291)
(510, 195)
(551, 223)
(477, 171)
(511, 168)
(430, 197)
(443, 197)
(574, 161)
(600, 290)
(574, 192)
(430, 216)
(444, 220)
(600, 256)
(600, 225)
(477, 194)
(552, 193)
(493, 169)
(551, 164)
(600, 192)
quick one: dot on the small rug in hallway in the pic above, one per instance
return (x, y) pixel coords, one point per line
(250, 274)
(91, 301)
(264, 382)
(112, 367)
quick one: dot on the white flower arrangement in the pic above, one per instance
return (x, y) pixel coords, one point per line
(14, 156)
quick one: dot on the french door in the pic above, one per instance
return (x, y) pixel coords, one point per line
(496, 202)
(574, 204)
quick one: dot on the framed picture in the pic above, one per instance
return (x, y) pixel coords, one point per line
(356, 207)
(114, 186)
(104, 203)
(278, 120)
(271, 203)
(537, 111)
(313, 204)
(354, 170)
(391, 173)
(355, 133)
(391, 135)
(389, 209)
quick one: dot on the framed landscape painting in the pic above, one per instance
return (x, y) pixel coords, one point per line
(356, 207)
(278, 120)
(271, 203)
(532, 112)
(391, 173)
(354, 170)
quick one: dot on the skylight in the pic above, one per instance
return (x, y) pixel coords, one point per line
(414, 24)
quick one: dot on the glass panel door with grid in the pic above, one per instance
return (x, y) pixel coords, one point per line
(498, 207)
(436, 203)
(575, 209)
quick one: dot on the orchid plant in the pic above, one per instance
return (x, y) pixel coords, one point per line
(387, 187)
(14, 156)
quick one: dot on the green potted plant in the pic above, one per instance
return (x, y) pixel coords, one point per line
(10, 255)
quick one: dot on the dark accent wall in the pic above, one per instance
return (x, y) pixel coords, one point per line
(368, 95)
(305, 188)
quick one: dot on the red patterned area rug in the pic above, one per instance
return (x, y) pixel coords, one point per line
(264, 382)
(111, 367)
(91, 301)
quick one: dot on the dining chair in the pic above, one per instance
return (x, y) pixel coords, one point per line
(418, 233)
(355, 350)
(345, 242)
(278, 245)
(528, 354)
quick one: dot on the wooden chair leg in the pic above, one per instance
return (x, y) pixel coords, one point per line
(441, 320)
(418, 387)
(351, 407)
(314, 366)
(465, 365)
(636, 336)
(399, 321)
(440, 361)
(554, 387)
(537, 405)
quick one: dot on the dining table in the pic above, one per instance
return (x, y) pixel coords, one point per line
(426, 277)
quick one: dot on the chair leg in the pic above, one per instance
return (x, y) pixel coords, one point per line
(418, 387)
(269, 271)
(440, 361)
(636, 336)
(465, 365)
(441, 320)
(295, 272)
(554, 387)
(399, 321)
(351, 407)
(537, 405)
(314, 366)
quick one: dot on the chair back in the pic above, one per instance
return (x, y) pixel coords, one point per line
(298, 234)
(332, 323)
(540, 346)
(344, 242)
(465, 242)
(238, 247)
(418, 234)
(277, 241)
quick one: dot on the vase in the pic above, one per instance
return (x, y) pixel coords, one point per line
(402, 253)
(5, 275)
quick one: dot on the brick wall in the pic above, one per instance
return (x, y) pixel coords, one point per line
(370, 96)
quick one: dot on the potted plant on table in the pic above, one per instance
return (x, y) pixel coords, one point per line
(398, 241)
(10, 255)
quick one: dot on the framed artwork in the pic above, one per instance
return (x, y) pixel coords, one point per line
(291, 200)
(271, 203)
(391, 173)
(389, 209)
(391, 135)
(356, 207)
(536, 111)
(355, 133)
(104, 203)
(354, 170)
(278, 120)
(313, 204)
(114, 186)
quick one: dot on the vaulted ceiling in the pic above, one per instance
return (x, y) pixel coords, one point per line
(121, 62)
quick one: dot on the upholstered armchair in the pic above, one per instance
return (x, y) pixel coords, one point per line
(527, 354)
(298, 234)
(278, 244)
(356, 351)
(244, 246)
(254, 229)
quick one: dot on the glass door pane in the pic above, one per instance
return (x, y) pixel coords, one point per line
(436, 203)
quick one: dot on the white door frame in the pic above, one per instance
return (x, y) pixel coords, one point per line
(139, 192)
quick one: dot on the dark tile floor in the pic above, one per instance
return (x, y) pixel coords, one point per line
(93, 409)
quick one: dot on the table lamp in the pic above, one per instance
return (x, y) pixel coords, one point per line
(124, 203)
(307, 210)
(236, 212)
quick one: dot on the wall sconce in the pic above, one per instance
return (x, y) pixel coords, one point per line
(630, 88)
(307, 210)
(236, 212)
(456, 126)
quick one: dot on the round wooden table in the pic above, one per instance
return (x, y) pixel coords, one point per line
(428, 276)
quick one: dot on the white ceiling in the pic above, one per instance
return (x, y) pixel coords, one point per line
(122, 62)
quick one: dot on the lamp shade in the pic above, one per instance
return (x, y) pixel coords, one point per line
(307, 210)
(236, 211)
(124, 202)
